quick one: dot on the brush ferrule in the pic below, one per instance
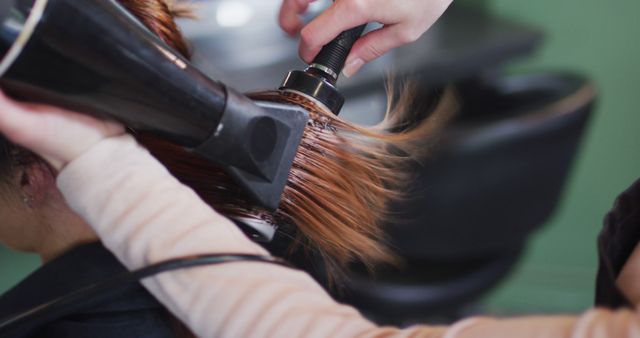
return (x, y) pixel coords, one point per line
(325, 69)
(319, 80)
(315, 85)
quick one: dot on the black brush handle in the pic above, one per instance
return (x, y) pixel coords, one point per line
(334, 54)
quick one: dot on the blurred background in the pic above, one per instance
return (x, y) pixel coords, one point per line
(503, 218)
(592, 38)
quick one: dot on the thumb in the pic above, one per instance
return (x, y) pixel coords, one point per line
(15, 123)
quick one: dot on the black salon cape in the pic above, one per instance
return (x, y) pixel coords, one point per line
(619, 237)
(134, 313)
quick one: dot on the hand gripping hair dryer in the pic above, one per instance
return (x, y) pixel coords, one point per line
(92, 56)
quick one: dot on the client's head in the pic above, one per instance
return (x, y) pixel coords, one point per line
(33, 214)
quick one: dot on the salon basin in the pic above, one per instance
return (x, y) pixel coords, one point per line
(425, 290)
(499, 170)
(497, 175)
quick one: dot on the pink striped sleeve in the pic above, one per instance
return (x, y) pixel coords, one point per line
(144, 215)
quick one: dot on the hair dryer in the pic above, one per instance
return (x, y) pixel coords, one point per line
(93, 57)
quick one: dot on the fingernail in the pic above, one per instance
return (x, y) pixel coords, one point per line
(352, 67)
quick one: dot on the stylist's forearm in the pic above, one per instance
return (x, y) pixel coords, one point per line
(148, 215)
(144, 215)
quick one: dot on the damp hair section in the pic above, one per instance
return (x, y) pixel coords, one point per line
(343, 178)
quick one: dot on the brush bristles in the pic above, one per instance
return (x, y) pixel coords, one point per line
(341, 182)
(338, 189)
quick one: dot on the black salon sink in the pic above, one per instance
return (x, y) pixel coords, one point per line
(499, 169)
(497, 175)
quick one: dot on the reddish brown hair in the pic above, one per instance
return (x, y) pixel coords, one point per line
(342, 178)
(158, 16)
(339, 187)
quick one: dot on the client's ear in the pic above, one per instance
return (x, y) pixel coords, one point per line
(37, 180)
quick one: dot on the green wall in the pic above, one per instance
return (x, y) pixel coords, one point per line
(14, 266)
(600, 39)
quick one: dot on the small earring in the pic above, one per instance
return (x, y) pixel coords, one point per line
(27, 201)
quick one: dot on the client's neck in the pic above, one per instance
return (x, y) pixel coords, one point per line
(64, 231)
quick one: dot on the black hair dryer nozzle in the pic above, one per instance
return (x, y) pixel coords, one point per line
(92, 56)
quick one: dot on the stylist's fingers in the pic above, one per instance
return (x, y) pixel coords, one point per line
(289, 17)
(59, 136)
(340, 16)
(404, 20)
(375, 44)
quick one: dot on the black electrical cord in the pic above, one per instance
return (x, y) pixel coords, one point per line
(20, 324)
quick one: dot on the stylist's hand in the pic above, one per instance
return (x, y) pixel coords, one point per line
(404, 22)
(57, 135)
